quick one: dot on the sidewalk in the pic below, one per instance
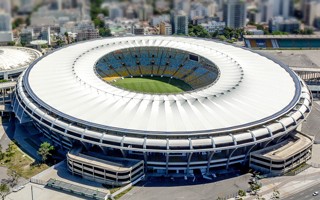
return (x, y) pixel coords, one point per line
(288, 185)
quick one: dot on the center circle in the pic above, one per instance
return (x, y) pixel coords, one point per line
(156, 70)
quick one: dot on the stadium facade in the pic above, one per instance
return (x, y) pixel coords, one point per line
(241, 102)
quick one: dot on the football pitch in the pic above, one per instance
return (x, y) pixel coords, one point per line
(152, 85)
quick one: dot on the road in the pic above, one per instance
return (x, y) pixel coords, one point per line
(306, 194)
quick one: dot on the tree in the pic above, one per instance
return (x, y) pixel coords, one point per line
(60, 42)
(275, 195)
(14, 177)
(11, 43)
(45, 150)
(279, 33)
(306, 31)
(17, 22)
(10, 150)
(1, 153)
(222, 38)
(4, 190)
(198, 31)
(214, 34)
(105, 32)
(44, 46)
(241, 193)
(66, 34)
(99, 23)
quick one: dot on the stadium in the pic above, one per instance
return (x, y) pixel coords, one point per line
(163, 106)
(14, 60)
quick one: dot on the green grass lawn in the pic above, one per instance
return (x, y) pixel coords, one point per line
(152, 85)
(21, 163)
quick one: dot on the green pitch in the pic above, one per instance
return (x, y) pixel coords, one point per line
(152, 85)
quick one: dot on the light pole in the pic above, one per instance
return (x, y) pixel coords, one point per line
(31, 192)
(32, 198)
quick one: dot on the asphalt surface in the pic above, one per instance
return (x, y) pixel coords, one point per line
(311, 125)
(180, 189)
(305, 194)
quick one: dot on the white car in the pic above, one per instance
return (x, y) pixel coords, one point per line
(315, 193)
(16, 189)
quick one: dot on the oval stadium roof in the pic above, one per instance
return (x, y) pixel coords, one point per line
(251, 90)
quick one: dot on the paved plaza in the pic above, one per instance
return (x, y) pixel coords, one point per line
(178, 189)
(40, 193)
(296, 58)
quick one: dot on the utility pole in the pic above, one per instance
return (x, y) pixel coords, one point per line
(32, 193)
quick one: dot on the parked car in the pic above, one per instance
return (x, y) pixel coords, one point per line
(16, 189)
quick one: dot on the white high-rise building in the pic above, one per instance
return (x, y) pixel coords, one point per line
(145, 12)
(212, 9)
(45, 33)
(198, 10)
(283, 8)
(183, 5)
(26, 5)
(234, 13)
(156, 20)
(5, 5)
(115, 11)
(5, 22)
(310, 10)
(266, 10)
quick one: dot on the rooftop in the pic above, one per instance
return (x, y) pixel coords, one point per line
(12, 58)
(286, 148)
(252, 89)
(105, 162)
(281, 36)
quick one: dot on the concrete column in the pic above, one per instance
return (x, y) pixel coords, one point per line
(117, 178)
(227, 167)
(145, 156)
(209, 161)
(3, 96)
(167, 157)
(190, 156)
(93, 172)
(82, 169)
(188, 164)
(72, 167)
(248, 153)
(121, 143)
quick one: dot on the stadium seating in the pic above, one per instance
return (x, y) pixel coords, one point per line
(157, 62)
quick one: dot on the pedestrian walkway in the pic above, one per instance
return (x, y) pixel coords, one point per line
(288, 185)
(76, 189)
